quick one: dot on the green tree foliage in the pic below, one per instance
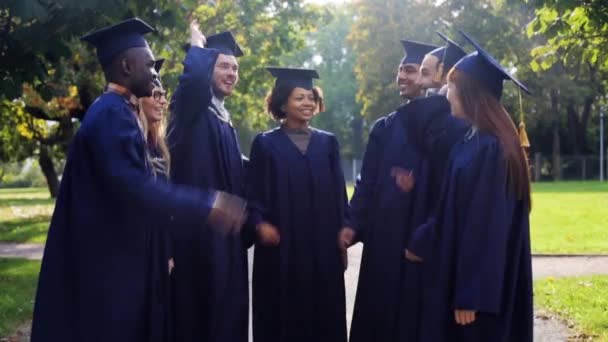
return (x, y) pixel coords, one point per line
(379, 26)
(328, 52)
(49, 78)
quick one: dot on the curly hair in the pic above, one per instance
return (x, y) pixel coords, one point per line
(279, 95)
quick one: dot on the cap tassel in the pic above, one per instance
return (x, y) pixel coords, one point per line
(523, 135)
(439, 74)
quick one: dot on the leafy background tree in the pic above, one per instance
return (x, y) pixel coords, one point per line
(49, 78)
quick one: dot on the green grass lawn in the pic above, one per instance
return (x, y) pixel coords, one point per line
(18, 279)
(570, 217)
(567, 217)
(582, 301)
(25, 214)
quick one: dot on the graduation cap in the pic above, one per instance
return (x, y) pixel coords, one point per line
(158, 64)
(110, 41)
(301, 78)
(225, 43)
(483, 67)
(449, 55)
(415, 51)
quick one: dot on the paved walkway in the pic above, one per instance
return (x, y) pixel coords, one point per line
(23, 251)
(547, 329)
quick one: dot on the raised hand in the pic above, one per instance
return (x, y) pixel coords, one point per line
(196, 36)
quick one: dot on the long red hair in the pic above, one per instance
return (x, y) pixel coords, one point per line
(486, 112)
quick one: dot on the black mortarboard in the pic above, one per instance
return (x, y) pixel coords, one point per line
(158, 64)
(451, 54)
(301, 78)
(110, 41)
(483, 67)
(415, 51)
(225, 43)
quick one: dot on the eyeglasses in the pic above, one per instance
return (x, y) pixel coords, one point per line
(158, 94)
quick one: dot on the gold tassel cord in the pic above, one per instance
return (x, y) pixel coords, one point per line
(523, 135)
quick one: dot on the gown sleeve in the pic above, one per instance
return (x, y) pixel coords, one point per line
(117, 151)
(338, 176)
(365, 187)
(487, 224)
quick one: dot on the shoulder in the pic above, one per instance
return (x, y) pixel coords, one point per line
(261, 140)
(380, 125)
(478, 149)
(434, 103)
(104, 112)
(322, 133)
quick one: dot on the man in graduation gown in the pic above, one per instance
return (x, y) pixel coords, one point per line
(432, 79)
(210, 285)
(93, 283)
(382, 214)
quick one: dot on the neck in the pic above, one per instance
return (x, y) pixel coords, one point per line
(124, 92)
(119, 89)
(295, 124)
(220, 97)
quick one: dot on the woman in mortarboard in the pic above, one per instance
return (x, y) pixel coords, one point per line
(476, 251)
(297, 188)
(152, 110)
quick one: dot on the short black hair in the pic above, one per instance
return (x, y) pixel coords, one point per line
(279, 95)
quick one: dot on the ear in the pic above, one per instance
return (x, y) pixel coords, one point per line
(126, 67)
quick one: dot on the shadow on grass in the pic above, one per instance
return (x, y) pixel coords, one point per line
(30, 229)
(18, 279)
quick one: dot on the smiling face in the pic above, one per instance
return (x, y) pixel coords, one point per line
(225, 75)
(428, 73)
(138, 68)
(155, 105)
(301, 105)
(406, 80)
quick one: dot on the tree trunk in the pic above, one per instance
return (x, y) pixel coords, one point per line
(573, 127)
(585, 123)
(48, 169)
(557, 163)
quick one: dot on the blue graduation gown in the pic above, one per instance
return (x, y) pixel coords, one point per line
(210, 285)
(387, 300)
(94, 282)
(479, 255)
(160, 251)
(298, 286)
